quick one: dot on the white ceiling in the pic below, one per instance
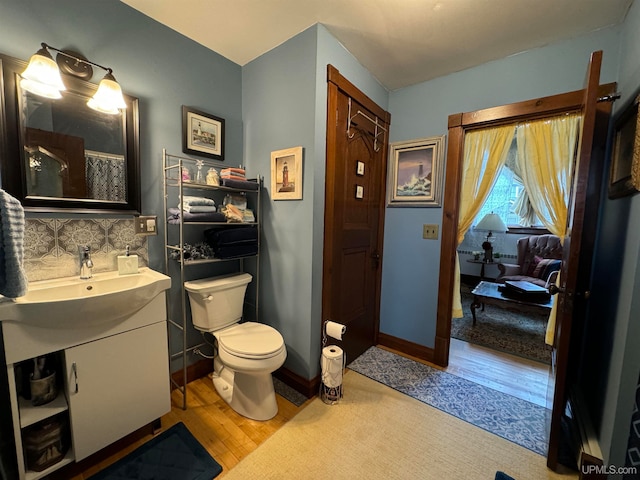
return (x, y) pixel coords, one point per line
(401, 42)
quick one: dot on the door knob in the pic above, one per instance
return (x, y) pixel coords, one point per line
(375, 256)
(554, 289)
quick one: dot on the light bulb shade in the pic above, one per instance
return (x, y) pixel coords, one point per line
(492, 222)
(42, 76)
(108, 98)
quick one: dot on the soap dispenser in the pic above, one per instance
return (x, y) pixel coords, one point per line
(127, 264)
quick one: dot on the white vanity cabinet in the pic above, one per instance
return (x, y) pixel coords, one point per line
(115, 379)
(114, 384)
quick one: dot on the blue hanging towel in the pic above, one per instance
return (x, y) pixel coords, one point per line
(13, 280)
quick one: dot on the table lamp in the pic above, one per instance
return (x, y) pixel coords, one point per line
(492, 223)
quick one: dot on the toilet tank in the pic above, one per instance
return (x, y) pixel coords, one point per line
(217, 302)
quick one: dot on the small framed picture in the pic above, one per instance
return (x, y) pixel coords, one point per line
(624, 177)
(202, 134)
(416, 172)
(286, 174)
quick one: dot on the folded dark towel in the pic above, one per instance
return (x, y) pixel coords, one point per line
(174, 216)
(219, 237)
(236, 251)
(241, 184)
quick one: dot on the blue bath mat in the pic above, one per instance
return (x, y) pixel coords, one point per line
(503, 476)
(175, 454)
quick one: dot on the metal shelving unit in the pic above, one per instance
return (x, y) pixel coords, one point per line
(172, 180)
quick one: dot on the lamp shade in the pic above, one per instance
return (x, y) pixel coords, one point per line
(108, 98)
(42, 76)
(492, 222)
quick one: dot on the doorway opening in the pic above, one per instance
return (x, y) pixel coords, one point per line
(581, 222)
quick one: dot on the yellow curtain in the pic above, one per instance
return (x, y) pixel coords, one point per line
(546, 156)
(485, 152)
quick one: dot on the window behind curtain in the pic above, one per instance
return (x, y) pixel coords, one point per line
(502, 198)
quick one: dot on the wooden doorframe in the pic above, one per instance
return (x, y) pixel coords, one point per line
(458, 125)
(336, 83)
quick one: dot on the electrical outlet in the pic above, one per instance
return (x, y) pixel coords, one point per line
(430, 231)
(146, 225)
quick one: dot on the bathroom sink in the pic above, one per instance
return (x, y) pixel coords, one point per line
(72, 302)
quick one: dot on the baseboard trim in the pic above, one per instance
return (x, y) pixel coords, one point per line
(197, 370)
(202, 368)
(407, 347)
(309, 388)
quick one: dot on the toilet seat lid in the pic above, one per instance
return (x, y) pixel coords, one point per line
(251, 340)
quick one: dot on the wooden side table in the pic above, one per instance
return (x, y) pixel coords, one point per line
(482, 264)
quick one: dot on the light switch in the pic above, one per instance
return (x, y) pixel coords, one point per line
(146, 225)
(430, 231)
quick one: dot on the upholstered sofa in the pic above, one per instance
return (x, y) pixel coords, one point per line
(539, 259)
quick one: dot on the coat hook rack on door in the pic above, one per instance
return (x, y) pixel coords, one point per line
(374, 121)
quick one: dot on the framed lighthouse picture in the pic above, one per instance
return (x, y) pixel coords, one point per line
(202, 134)
(286, 174)
(415, 173)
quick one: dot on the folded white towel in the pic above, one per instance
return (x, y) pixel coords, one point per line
(188, 202)
(13, 280)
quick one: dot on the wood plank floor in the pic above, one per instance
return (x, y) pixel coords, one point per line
(229, 437)
(517, 376)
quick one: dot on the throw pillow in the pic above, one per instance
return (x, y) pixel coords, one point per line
(533, 265)
(542, 268)
(553, 266)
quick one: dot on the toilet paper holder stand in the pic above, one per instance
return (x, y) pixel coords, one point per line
(324, 333)
(330, 395)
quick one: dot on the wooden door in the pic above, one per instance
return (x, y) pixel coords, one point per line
(575, 274)
(582, 220)
(354, 212)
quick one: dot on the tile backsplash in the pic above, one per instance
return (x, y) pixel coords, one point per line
(51, 245)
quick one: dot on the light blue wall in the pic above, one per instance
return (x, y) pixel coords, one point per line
(618, 278)
(164, 69)
(411, 264)
(282, 98)
(278, 90)
(284, 105)
(330, 51)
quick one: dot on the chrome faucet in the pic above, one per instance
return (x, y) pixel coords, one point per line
(86, 264)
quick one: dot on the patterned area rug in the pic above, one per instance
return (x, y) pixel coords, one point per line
(518, 332)
(511, 418)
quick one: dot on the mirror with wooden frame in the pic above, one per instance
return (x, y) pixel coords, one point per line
(59, 154)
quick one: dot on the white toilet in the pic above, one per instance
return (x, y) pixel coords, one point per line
(248, 353)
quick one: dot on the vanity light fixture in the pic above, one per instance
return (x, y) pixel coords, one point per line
(42, 77)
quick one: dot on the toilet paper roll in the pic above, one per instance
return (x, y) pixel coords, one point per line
(332, 363)
(335, 330)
